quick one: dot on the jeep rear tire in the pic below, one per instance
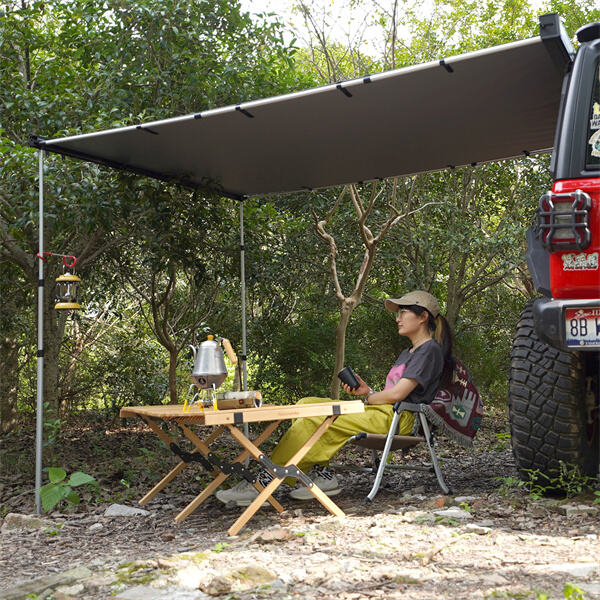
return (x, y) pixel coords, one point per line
(549, 413)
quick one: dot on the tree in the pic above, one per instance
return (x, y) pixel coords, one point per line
(363, 210)
(13, 342)
(69, 66)
(475, 237)
(170, 271)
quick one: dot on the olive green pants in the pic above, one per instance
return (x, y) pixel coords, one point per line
(375, 419)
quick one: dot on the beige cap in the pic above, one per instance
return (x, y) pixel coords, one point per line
(416, 298)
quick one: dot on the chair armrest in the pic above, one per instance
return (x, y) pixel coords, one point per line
(408, 406)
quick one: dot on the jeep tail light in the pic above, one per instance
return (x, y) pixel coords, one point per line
(563, 220)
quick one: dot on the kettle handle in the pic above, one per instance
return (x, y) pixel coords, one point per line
(194, 350)
(229, 350)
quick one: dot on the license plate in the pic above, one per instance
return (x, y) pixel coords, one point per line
(582, 326)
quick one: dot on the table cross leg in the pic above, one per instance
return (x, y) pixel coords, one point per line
(221, 477)
(314, 489)
(200, 498)
(199, 444)
(180, 466)
(155, 427)
(277, 481)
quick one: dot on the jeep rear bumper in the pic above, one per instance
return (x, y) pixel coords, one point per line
(549, 320)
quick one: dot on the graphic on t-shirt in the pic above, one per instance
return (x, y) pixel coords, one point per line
(395, 375)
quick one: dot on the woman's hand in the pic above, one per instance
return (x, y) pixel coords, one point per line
(362, 390)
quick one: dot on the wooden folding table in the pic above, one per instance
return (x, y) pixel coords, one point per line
(227, 421)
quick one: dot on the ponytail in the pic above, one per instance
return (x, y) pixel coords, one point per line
(443, 336)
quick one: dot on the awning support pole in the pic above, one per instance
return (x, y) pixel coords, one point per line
(39, 431)
(243, 281)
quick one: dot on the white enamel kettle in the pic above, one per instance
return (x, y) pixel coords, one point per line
(209, 364)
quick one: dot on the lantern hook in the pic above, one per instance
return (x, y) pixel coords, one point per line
(64, 258)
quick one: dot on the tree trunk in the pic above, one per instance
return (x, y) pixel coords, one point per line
(452, 310)
(238, 377)
(173, 375)
(9, 382)
(454, 298)
(10, 340)
(346, 309)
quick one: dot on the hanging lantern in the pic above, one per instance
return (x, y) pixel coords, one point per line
(67, 286)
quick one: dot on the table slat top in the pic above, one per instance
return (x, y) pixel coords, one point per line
(208, 416)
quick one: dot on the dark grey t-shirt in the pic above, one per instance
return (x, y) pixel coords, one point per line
(425, 365)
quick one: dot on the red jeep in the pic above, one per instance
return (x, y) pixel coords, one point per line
(555, 358)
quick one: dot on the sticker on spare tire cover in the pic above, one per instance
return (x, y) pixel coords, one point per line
(580, 262)
(594, 142)
(595, 120)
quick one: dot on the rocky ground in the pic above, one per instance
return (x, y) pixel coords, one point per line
(490, 539)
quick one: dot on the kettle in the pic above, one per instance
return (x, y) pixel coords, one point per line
(209, 365)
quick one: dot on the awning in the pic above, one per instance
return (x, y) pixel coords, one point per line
(481, 106)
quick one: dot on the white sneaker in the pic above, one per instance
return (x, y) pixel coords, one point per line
(324, 478)
(242, 494)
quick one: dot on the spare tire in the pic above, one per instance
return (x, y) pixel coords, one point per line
(552, 407)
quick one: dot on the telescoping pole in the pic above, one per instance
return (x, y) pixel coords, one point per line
(243, 278)
(39, 432)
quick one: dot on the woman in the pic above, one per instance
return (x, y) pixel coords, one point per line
(415, 377)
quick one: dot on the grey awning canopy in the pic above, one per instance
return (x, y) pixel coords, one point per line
(481, 106)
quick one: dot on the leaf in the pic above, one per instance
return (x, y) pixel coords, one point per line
(79, 478)
(51, 494)
(72, 497)
(55, 475)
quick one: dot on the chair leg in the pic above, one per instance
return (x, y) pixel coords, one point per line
(434, 459)
(383, 459)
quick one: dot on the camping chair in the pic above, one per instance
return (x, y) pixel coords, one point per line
(456, 409)
(386, 443)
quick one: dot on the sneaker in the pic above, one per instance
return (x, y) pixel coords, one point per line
(244, 492)
(324, 478)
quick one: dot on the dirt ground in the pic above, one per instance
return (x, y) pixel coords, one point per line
(498, 541)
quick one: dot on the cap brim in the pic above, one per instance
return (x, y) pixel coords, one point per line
(392, 305)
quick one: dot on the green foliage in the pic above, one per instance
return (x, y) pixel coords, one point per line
(220, 547)
(72, 66)
(568, 481)
(569, 591)
(572, 592)
(52, 427)
(53, 531)
(509, 484)
(58, 489)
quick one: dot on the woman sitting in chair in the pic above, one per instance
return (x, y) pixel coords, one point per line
(415, 377)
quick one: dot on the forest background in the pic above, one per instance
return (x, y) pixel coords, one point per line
(161, 265)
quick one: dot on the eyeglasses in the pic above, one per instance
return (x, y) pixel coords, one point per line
(401, 313)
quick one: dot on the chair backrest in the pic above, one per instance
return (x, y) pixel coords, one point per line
(457, 409)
